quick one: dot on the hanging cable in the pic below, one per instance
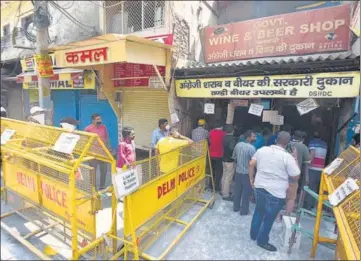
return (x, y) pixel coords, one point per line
(69, 16)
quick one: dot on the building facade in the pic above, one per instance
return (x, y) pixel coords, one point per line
(268, 40)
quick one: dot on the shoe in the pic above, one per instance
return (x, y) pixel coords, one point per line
(236, 210)
(228, 198)
(244, 213)
(268, 247)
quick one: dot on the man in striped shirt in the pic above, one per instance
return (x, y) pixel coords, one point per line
(318, 151)
(242, 155)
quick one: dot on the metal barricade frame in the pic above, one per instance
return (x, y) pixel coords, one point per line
(48, 181)
(347, 213)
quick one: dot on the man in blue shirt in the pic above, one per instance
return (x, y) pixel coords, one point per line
(273, 138)
(160, 132)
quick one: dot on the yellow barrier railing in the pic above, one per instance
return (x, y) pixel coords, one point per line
(346, 213)
(61, 187)
(53, 183)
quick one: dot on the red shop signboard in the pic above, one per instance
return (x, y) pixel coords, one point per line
(313, 31)
(125, 70)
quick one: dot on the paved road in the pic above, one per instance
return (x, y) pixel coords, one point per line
(219, 234)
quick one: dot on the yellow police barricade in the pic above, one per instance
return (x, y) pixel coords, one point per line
(48, 180)
(57, 189)
(171, 185)
(347, 211)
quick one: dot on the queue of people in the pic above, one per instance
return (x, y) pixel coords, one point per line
(272, 166)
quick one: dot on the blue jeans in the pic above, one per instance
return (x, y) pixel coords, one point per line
(267, 209)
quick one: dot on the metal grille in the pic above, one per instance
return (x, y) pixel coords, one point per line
(127, 17)
(349, 167)
(30, 136)
(350, 207)
(151, 168)
(42, 218)
(149, 232)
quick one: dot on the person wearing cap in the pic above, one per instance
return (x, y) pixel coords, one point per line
(3, 112)
(68, 123)
(37, 115)
(200, 133)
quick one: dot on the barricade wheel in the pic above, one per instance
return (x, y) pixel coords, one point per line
(210, 206)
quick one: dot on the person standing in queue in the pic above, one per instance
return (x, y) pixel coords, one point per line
(272, 139)
(100, 129)
(200, 133)
(242, 155)
(229, 142)
(356, 140)
(301, 153)
(275, 169)
(168, 149)
(3, 112)
(37, 115)
(160, 132)
(216, 136)
(126, 148)
(318, 151)
(68, 123)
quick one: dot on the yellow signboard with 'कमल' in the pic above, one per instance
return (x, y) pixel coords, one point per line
(318, 85)
(54, 196)
(149, 200)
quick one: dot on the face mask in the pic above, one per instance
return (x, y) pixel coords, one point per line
(40, 118)
(98, 123)
(167, 127)
(67, 126)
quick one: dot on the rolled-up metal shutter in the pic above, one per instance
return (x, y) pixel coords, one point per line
(142, 108)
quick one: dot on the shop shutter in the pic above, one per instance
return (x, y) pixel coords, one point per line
(64, 105)
(88, 105)
(142, 109)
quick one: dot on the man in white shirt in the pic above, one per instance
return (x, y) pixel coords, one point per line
(275, 169)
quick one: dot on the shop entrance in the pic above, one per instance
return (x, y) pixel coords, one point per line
(242, 119)
(321, 119)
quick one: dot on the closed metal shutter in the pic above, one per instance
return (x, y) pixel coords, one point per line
(89, 104)
(142, 108)
(64, 105)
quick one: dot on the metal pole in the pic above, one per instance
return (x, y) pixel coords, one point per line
(42, 23)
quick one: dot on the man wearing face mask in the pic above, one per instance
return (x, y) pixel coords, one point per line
(69, 123)
(37, 115)
(98, 128)
(160, 132)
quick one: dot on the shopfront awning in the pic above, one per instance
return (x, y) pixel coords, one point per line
(62, 79)
(112, 48)
(59, 74)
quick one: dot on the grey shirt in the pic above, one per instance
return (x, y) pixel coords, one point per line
(199, 134)
(242, 154)
(303, 154)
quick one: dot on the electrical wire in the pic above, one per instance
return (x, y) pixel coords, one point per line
(71, 18)
(66, 13)
(66, 8)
